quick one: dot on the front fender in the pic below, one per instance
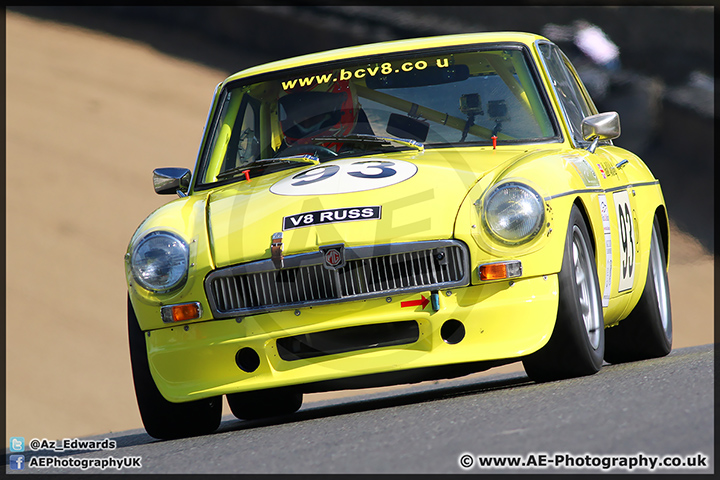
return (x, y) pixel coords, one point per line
(185, 217)
(543, 254)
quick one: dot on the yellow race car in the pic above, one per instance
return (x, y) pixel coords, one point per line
(392, 213)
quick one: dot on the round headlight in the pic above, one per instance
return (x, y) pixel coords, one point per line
(159, 261)
(513, 213)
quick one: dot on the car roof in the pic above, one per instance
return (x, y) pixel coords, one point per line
(388, 47)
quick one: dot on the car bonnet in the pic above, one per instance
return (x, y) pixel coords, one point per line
(370, 200)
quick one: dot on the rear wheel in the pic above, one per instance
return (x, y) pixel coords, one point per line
(647, 331)
(577, 343)
(161, 418)
(264, 403)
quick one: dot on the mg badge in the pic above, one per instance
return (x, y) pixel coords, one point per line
(333, 256)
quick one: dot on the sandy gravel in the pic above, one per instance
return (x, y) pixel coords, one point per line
(88, 117)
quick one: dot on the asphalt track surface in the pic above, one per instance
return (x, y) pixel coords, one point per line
(648, 409)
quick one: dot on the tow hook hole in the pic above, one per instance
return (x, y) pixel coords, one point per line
(247, 359)
(452, 332)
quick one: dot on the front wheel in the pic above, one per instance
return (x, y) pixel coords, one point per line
(161, 418)
(647, 331)
(577, 344)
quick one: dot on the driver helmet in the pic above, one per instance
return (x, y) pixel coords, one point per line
(320, 110)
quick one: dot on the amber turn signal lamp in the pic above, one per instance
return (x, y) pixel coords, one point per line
(181, 313)
(500, 270)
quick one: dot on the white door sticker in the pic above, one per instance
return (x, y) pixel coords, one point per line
(626, 234)
(345, 176)
(605, 212)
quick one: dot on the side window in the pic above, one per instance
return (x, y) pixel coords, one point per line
(243, 147)
(572, 96)
(233, 142)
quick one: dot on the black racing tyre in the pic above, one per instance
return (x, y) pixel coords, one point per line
(577, 343)
(161, 418)
(647, 331)
(264, 403)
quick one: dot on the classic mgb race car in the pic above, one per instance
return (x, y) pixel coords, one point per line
(392, 213)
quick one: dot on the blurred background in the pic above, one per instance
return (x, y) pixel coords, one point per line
(99, 96)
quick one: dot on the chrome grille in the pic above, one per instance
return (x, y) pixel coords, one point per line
(368, 272)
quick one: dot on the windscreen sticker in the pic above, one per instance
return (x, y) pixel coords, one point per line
(382, 69)
(334, 215)
(345, 176)
(605, 212)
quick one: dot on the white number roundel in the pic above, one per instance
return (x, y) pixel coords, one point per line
(626, 229)
(345, 176)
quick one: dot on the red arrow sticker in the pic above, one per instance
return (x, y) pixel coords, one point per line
(414, 303)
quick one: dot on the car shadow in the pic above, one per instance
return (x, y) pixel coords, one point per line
(388, 399)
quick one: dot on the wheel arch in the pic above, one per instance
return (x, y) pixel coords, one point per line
(584, 208)
(578, 202)
(662, 217)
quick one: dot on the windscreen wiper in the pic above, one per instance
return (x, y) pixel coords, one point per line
(360, 138)
(264, 162)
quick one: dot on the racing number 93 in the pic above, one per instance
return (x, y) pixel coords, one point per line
(342, 176)
(626, 228)
(380, 169)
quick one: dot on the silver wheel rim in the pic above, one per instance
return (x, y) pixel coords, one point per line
(586, 287)
(661, 284)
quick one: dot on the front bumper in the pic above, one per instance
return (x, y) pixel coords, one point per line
(502, 320)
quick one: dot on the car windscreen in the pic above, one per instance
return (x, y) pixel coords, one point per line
(442, 97)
